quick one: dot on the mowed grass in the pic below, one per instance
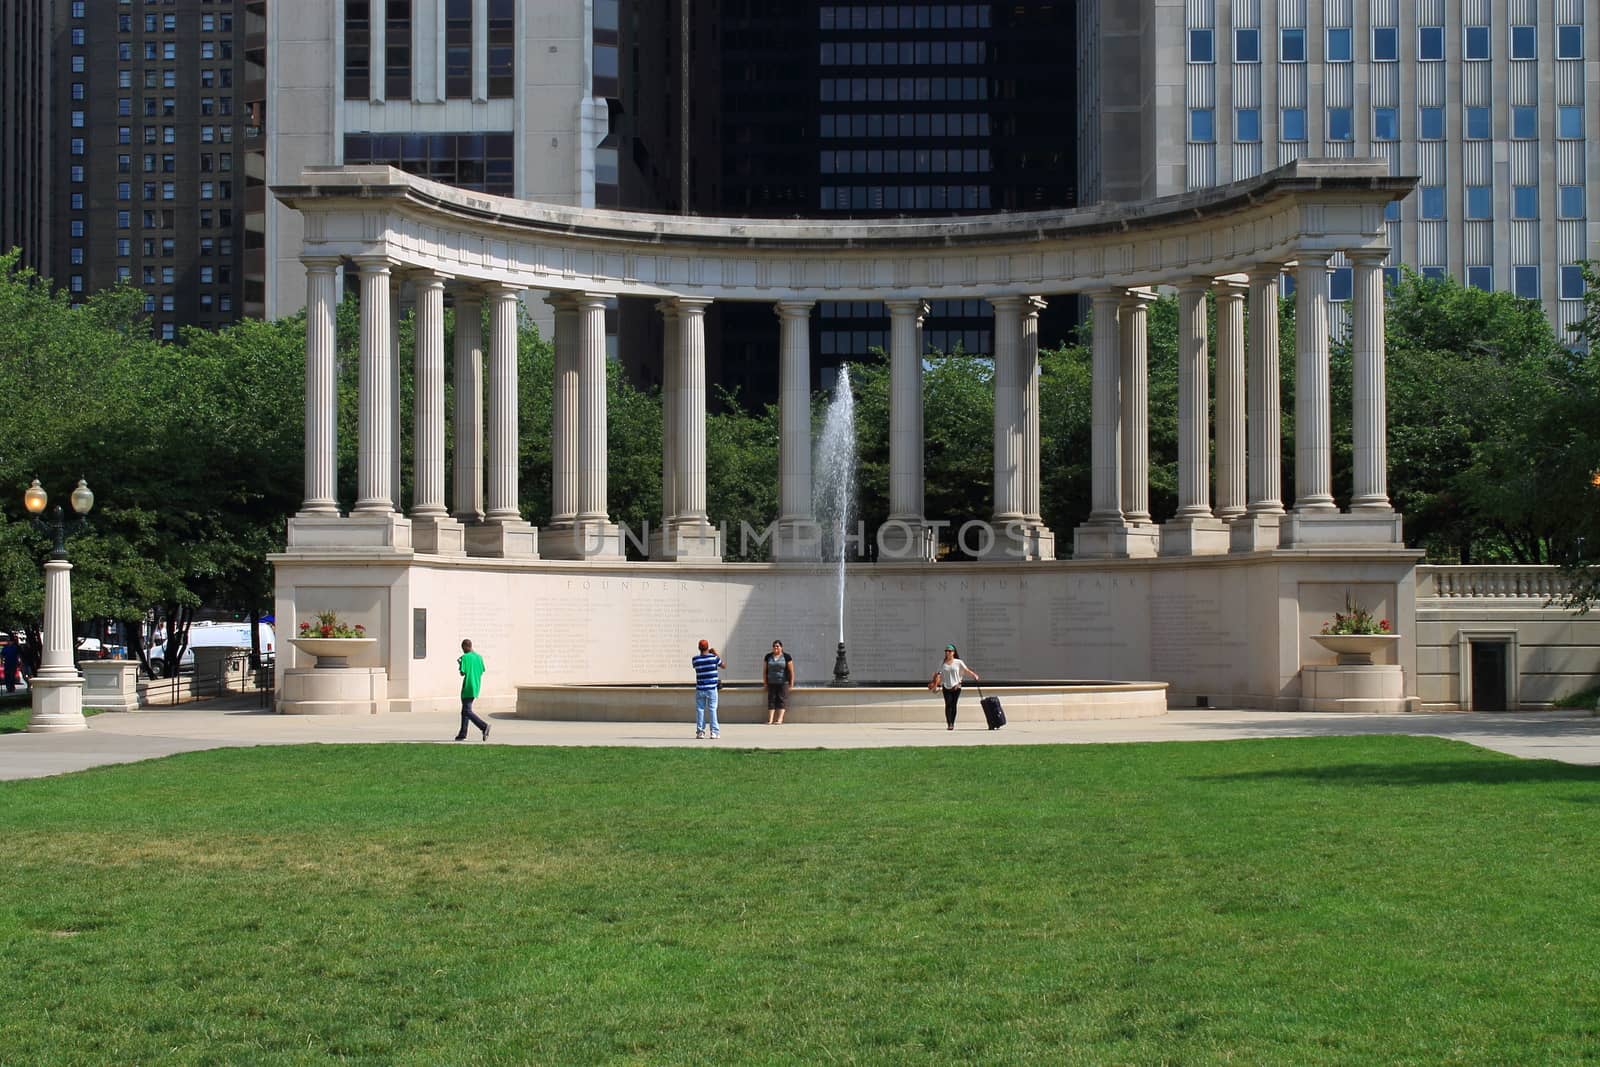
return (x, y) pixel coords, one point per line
(1362, 900)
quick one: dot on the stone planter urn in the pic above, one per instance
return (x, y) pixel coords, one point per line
(1355, 650)
(333, 652)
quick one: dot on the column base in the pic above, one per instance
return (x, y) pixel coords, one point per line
(57, 705)
(1119, 541)
(796, 541)
(438, 535)
(111, 684)
(1202, 536)
(1254, 533)
(1323, 529)
(906, 541)
(334, 691)
(696, 541)
(502, 539)
(365, 532)
(1376, 688)
(1018, 541)
(585, 539)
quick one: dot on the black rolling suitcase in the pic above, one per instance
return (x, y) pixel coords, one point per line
(993, 713)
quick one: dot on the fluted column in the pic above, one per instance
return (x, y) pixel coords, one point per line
(1135, 354)
(564, 412)
(1194, 491)
(502, 488)
(1370, 415)
(427, 498)
(396, 438)
(1009, 418)
(592, 408)
(57, 690)
(671, 387)
(322, 388)
(1263, 386)
(1230, 399)
(905, 411)
(1030, 409)
(1105, 415)
(691, 428)
(468, 489)
(375, 490)
(794, 411)
(1313, 444)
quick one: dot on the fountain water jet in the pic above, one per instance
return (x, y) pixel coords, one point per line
(835, 494)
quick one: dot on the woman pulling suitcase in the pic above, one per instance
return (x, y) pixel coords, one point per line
(948, 678)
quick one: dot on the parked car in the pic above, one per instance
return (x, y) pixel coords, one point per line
(215, 635)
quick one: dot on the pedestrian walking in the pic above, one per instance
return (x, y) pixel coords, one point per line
(707, 677)
(471, 666)
(777, 667)
(948, 679)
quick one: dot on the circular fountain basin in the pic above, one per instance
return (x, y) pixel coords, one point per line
(871, 702)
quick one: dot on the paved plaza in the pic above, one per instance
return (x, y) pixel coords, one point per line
(1568, 736)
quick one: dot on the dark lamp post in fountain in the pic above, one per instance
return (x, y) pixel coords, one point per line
(57, 687)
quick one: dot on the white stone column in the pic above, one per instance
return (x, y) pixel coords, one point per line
(1030, 409)
(1009, 418)
(375, 466)
(57, 689)
(688, 534)
(797, 537)
(469, 407)
(1193, 530)
(432, 528)
(1230, 295)
(564, 412)
(904, 536)
(1106, 415)
(396, 419)
(671, 387)
(322, 388)
(503, 532)
(1135, 355)
(1313, 434)
(1258, 529)
(1370, 414)
(592, 534)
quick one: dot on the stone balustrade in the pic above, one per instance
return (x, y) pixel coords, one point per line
(1541, 583)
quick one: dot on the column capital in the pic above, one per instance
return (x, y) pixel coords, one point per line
(429, 278)
(1105, 296)
(502, 290)
(1231, 287)
(1268, 270)
(668, 308)
(1006, 302)
(1195, 285)
(692, 305)
(322, 263)
(560, 300)
(1136, 298)
(582, 299)
(793, 309)
(1036, 304)
(1372, 257)
(905, 306)
(376, 264)
(1312, 259)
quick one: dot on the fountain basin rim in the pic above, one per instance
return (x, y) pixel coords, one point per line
(885, 686)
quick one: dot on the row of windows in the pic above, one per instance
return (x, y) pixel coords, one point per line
(169, 190)
(926, 124)
(904, 197)
(1478, 202)
(875, 309)
(907, 161)
(902, 53)
(220, 105)
(479, 161)
(169, 134)
(1477, 124)
(862, 342)
(908, 17)
(394, 66)
(209, 162)
(1338, 42)
(904, 88)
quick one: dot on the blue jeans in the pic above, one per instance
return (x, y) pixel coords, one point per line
(705, 703)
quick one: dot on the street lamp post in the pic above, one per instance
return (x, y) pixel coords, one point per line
(57, 687)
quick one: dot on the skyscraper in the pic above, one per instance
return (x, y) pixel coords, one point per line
(24, 130)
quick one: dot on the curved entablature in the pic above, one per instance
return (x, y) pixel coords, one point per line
(1322, 207)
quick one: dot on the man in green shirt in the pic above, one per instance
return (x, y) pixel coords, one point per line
(471, 667)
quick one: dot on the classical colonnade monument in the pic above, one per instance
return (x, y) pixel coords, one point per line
(1219, 602)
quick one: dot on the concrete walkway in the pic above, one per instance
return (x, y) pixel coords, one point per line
(1568, 736)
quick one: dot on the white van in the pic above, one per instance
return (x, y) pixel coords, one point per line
(216, 635)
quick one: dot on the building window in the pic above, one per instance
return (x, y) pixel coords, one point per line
(124, 220)
(1569, 42)
(1478, 125)
(1480, 202)
(1572, 287)
(1569, 202)
(458, 49)
(75, 227)
(1433, 274)
(1391, 277)
(1525, 282)
(75, 173)
(76, 256)
(1524, 42)
(1481, 278)
(168, 331)
(1292, 45)
(1430, 124)
(1430, 43)
(77, 120)
(1247, 125)
(1341, 284)
(1525, 123)
(1247, 45)
(1201, 47)
(1339, 44)
(1569, 123)
(1293, 124)
(76, 283)
(1391, 211)
(1525, 202)
(124, 275)
(1385, 44)
(1475, 43)
(1341, 127)
(357, 49)
(1202, 125)
(1385, 124)
(1432, 197)
(502, 48)
(124, 246)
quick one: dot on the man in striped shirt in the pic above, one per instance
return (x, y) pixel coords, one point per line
(706, 677)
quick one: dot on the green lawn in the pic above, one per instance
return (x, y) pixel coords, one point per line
(1362, 900)
(15, 709)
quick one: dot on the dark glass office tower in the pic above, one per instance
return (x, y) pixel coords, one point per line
(879, 110)
(25, 130)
